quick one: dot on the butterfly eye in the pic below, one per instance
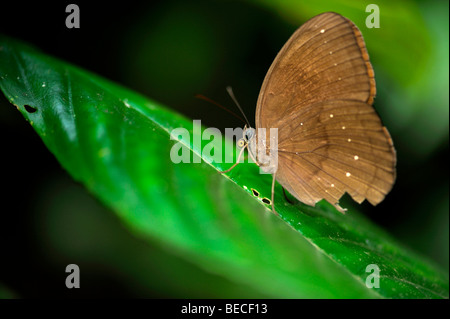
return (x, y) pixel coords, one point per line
(241, 143)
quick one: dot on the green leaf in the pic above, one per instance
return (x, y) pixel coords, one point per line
(117, 143)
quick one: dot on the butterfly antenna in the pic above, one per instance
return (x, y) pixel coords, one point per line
(230, 92)
(200, 96)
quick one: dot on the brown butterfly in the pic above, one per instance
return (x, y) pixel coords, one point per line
(319, 92)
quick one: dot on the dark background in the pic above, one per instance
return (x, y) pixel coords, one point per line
(170, 51)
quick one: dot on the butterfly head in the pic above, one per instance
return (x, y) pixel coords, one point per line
(249, 133)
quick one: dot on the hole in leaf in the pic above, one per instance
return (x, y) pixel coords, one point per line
(255, 192)
(30, 109)
(266, 201)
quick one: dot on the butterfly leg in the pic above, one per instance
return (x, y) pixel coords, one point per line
(253, 158)
(273, 192)
(340, 209)
(237, 162)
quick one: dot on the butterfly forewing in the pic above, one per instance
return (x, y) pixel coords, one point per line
(322, 60)
(318, 93)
